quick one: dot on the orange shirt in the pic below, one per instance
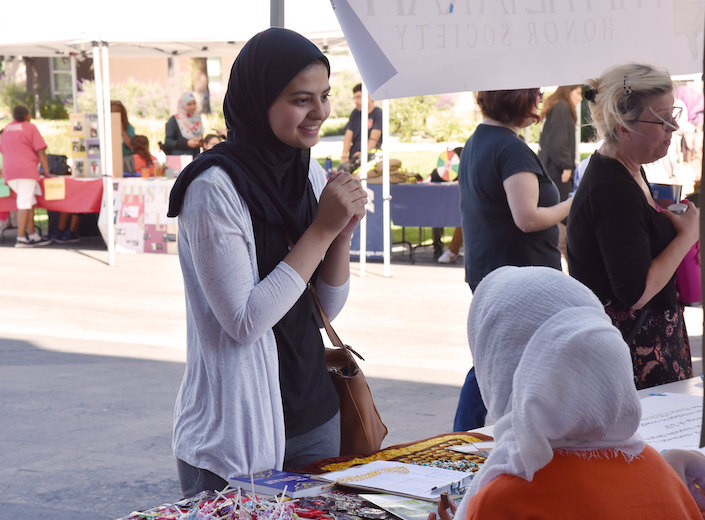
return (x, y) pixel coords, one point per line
(141, 163)
(571, 487)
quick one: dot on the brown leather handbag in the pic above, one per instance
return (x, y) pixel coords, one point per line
(361, 427)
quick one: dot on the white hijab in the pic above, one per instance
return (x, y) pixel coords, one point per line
(552, 370)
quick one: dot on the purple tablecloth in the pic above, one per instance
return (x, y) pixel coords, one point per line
(425, 205)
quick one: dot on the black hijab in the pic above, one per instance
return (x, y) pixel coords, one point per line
(272, 179)
(270, 176)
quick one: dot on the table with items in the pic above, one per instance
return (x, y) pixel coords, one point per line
(65, 194)
(342, 501)
(419, 204)
(348, 490)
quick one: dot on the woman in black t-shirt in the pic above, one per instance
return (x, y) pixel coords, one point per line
(509, 206)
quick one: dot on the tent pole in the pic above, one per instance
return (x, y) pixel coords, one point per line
(74, 86)
(107, 185)
(276, 13)
(108, 157)
(363, 175)
(386, 197)
(702, 240)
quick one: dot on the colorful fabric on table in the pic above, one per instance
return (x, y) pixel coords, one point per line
(425, 451)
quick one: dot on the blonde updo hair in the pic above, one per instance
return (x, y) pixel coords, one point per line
(620, 95)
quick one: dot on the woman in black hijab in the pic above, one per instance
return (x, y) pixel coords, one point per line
(255, 219)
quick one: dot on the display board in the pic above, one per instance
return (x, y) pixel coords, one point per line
(141, 224)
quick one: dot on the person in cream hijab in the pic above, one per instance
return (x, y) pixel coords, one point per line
(557, 380)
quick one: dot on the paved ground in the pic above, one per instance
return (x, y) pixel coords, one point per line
(91, 358)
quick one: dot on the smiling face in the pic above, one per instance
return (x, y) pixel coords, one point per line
(299, 111)
(649, 140)
(190, 108)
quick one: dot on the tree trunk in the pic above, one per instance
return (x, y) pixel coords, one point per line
(199, 78)
(33, 83)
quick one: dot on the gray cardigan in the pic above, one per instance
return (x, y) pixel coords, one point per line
(228, 416)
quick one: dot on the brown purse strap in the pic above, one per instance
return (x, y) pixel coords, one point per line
(334, 338)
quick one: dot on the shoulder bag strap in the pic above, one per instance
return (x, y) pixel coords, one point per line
(334, 338)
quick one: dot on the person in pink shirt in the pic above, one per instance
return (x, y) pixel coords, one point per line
(23, 148)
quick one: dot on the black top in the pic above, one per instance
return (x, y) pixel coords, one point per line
(492, 239)
(374, 122)
(557, 146)
(174, 142)
(614, 234)
(272, 179)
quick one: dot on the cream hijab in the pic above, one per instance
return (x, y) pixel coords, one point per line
(553, 371)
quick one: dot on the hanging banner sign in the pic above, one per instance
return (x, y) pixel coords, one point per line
(416, 47)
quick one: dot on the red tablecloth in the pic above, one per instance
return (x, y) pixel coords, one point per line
(82, 196)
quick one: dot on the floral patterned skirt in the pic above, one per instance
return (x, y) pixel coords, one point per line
(660, 350)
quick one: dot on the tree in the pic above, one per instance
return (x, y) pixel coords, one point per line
(33, 83)
(199, 79)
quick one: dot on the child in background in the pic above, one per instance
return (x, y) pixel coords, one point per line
(210, 141)
(143, 159)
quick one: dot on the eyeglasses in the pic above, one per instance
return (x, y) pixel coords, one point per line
(665, 124)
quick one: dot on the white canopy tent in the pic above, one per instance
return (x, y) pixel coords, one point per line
(134, 28)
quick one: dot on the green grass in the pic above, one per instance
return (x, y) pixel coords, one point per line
(411, 234)
(334, 126)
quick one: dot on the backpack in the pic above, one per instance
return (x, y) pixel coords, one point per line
(58, 165)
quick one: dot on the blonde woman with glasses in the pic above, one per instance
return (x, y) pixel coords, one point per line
(621, 243)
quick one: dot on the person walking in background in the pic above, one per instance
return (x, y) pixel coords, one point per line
(184, 130)
(257, 224)
(557, 144)
(353, 130)
(557, 140)
(23, 149)
(621, 244)
(127, 131)
(510, 208)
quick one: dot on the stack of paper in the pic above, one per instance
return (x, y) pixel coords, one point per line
(670, 421)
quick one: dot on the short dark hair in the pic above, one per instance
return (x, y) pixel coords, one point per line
(357, 88)
(509, 106)
(20, 113)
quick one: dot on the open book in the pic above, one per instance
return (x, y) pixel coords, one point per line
(398, 478)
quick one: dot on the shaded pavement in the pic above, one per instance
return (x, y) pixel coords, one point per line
(91, 358)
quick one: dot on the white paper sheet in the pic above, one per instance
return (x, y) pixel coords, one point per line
(671, 421)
